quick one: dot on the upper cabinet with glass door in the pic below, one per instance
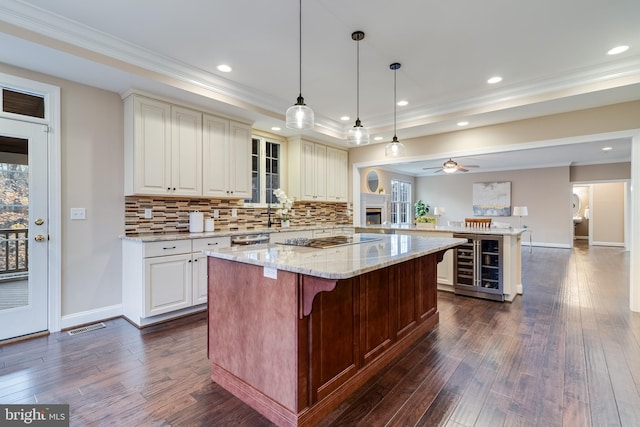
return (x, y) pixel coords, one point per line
(166, 153)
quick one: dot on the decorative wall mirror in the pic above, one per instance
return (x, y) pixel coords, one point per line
(372, 181)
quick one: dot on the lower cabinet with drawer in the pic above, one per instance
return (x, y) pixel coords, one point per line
(164, 280)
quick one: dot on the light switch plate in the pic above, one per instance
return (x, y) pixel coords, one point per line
(234, 212)
(216, 213)
(78, 213)
(148, 214)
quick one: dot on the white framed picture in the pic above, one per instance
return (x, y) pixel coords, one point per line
(492, 198)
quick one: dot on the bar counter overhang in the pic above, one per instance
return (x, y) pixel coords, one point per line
(293, 331)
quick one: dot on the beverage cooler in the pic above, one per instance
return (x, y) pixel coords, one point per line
(478, 267)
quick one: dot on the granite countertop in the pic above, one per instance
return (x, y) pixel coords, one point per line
(446, 229)
(161, 237)
(374, 251)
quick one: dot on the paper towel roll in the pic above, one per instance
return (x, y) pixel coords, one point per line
(196, 222)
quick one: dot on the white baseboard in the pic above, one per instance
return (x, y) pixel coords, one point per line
(614, 244)
(91, 316)
(581, 237)
(548, 245)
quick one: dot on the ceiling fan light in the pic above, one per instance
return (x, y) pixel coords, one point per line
(449, 169)
(299, 116)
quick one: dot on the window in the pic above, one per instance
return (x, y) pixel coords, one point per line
(400, 202)
(22, 103)
(266, 175)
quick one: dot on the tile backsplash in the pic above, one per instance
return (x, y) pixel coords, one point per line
(172, 214)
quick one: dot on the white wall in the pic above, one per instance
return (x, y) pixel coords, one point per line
(92, 177)
(607, 218)
(546, 192)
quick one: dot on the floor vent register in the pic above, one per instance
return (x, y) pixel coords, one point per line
(87, 328)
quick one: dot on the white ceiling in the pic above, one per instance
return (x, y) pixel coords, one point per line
(551, 55)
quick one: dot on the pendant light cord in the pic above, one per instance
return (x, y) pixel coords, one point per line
(358, 80)
(395, 104)
(300, 45)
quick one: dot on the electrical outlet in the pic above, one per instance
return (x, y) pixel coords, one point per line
(216, 213)
(78, 213)
(308, 212)
(234, 212)
(148, 214)
(293, 212)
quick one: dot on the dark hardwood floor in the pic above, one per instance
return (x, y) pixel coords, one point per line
(567, 353)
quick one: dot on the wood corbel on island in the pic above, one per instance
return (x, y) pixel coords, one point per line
(296, 346)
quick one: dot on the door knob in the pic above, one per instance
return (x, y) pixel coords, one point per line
(39, 238)
(39, 221)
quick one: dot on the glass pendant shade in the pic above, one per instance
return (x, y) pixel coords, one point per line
(358, 135)
(299, 116)
(394, 148)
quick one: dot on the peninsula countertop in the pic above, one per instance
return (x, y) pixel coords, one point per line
(366, 253)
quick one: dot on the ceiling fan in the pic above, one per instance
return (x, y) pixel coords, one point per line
(450, 166)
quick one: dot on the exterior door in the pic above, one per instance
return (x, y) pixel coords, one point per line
(23, 228)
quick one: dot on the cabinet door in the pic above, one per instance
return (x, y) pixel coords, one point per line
(377, 330)
(321, 172)
(239, 162)
(336, 175)
(152, 147)
(167, 284)
(200, 284)
(214, 148)
(186, 152)
(307, 171)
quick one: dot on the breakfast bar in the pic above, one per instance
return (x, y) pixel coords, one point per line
(295, 328)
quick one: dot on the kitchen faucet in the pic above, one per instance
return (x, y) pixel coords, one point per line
(269, 223)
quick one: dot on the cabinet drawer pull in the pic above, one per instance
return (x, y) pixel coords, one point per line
(172, 247)
(212, 244)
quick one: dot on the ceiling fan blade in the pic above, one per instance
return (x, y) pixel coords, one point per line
(470, 166)
(461, 169)
(434, 167)
(438, 171)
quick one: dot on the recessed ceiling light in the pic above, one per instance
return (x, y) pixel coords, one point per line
(618, 49)
(378, 138)
(494, 80)
(403, 103)
(224, 68)
(463, 123)
(345, 118)
(607, 148)
(275, 128)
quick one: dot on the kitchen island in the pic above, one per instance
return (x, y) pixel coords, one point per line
(293, 330)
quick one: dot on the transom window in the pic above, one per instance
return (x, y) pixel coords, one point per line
(401, 212)
(22, 103)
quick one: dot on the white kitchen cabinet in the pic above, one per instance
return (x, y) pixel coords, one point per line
(147, 145)
(167, 284)
(163, 148)
(186, 152)
(316, 172)
(337, 169)
(227, 158)
(171, 150)
(166, 279)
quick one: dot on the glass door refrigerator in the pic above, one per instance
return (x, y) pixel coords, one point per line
(478, 267)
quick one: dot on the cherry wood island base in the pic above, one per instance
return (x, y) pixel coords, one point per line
(295, 347)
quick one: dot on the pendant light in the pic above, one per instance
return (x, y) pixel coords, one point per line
(394, 148)
(358, 134)
(299, 116)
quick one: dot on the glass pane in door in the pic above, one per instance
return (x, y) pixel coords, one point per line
(14, 219)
